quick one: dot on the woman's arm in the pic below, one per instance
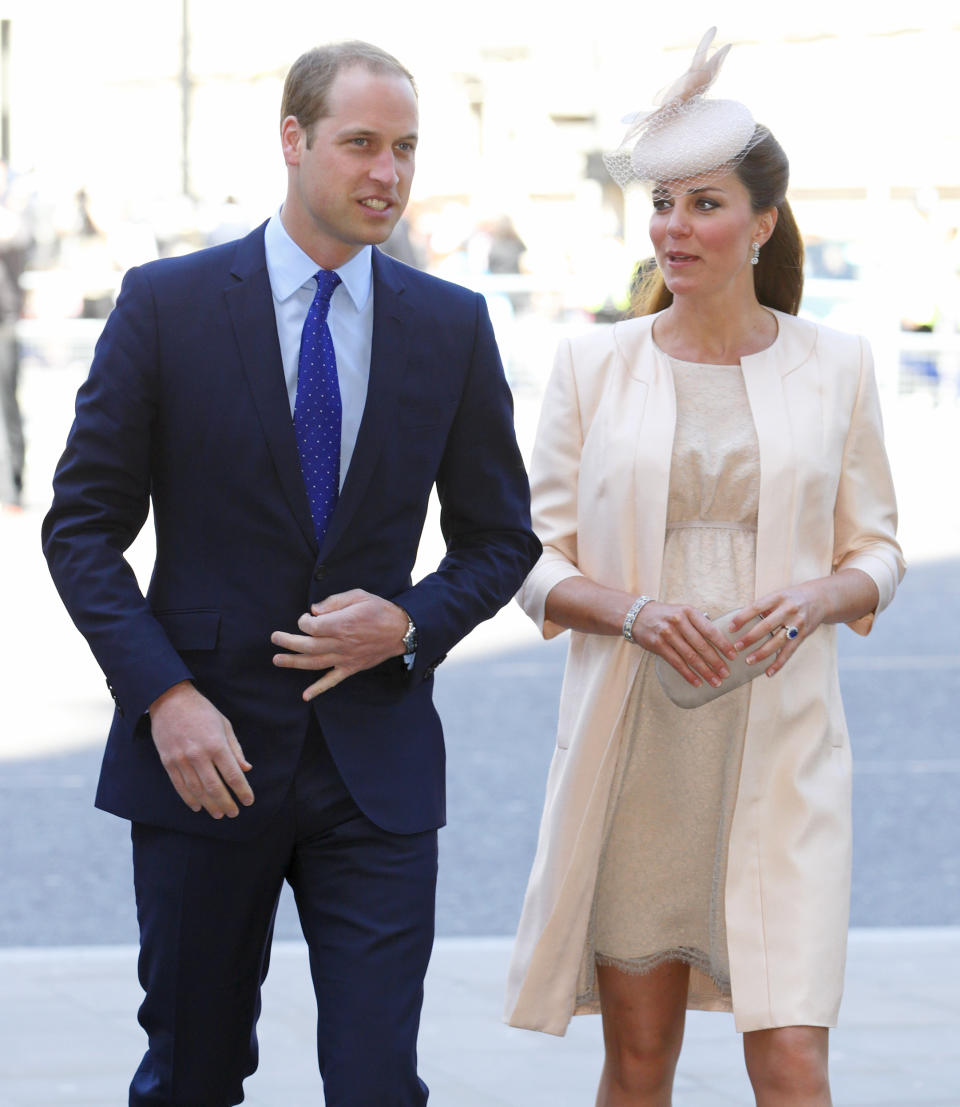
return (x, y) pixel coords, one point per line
(557, 595)
(554, 479)
(867, 562)
(681, 635)
(842, 597)
(865, 514)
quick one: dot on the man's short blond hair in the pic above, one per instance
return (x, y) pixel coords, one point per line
(307, 87)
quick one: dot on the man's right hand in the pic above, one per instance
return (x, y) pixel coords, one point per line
(200, 752)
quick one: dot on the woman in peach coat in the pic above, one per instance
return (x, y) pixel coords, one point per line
(716, 452)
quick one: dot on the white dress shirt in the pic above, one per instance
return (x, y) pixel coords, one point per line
(350, 319)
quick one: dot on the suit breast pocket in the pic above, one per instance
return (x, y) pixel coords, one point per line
(193, 629)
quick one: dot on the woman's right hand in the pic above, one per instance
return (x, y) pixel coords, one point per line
(686, 639)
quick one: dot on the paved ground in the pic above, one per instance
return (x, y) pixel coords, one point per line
(69, 1038)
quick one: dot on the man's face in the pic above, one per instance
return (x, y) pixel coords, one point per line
(349, 187)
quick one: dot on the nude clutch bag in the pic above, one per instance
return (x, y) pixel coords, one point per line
(684, 694)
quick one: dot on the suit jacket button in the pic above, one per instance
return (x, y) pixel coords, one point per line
(320, 572)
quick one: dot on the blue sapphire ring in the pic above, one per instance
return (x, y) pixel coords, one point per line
(791, 632)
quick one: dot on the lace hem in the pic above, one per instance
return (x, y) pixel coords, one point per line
(695, 958)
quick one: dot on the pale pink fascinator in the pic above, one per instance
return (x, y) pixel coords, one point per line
(688, 134)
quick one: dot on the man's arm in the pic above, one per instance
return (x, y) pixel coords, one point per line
(484, 512)
(101, 500)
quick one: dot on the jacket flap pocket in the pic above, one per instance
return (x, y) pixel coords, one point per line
(190, 630)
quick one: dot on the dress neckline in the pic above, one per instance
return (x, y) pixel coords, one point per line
(697, 364)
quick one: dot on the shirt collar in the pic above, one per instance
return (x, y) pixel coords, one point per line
(289, 268)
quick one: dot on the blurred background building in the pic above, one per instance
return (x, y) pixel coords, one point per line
(133, 130)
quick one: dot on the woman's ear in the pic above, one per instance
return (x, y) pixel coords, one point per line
(766, 222)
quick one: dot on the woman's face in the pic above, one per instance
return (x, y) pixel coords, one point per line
(702, 231)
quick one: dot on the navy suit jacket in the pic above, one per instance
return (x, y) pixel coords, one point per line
(186, 407)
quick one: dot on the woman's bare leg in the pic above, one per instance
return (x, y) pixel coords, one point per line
(788, 1066)
(643, 1016)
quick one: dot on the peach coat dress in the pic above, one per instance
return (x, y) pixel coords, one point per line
(599, 479)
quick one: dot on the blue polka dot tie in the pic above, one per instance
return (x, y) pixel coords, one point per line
(317, 410)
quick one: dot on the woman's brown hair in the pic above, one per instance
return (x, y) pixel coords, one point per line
(778, 276)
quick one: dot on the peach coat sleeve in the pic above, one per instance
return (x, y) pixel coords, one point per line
(554, 485)
(865, 516)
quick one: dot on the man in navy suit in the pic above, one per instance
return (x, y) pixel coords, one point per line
(274, 717)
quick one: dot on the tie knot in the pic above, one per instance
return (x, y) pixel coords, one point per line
(327, 281)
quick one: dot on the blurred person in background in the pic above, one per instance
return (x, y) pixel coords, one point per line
(286, 403)
(713, 495)
(506, 247)
(15, 241)
(505, 256)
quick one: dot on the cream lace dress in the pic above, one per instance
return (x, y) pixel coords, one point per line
(659, 894)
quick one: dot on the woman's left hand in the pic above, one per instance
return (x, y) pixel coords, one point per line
(798, 608)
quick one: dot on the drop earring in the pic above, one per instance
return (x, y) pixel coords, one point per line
(755, 259)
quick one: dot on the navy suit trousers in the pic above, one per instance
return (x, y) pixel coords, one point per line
(206, 910)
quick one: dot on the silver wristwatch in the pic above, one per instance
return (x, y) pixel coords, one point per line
(630, 618)
(410, 640)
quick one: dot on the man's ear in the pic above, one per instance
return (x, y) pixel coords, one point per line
(292, 140)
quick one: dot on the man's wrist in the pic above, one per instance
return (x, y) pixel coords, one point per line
(410, 640)
(173, 691)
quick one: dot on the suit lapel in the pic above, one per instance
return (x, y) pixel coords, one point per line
(388, 362)
(250, 303)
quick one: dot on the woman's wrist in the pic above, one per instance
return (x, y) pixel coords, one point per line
(590, 608)
(631, 617)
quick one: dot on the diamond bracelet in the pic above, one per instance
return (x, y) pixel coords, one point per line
(630, 618)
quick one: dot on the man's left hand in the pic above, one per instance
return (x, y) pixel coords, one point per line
(346, 633)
